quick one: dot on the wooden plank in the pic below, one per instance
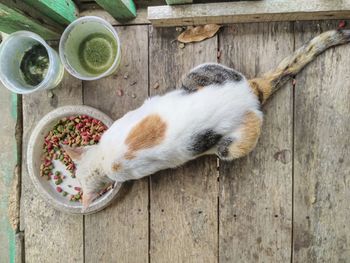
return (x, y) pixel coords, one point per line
(248, 11)
(93, 9)
(120, 232)
(256, 191)
(140, 19)
(9, 158)
(50, 235)
(183, 201)
(322, 162)
(61, 11)
(119, 9)
(178, 2)
(13, 19)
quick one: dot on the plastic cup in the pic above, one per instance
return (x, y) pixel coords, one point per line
(12, 51)
(76, 34)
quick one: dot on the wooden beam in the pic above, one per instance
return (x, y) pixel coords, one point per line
(140, 19)
(248, 11)
(10, 136)
(61, 11)
(14, 19)
(178, 2)
(119, 9)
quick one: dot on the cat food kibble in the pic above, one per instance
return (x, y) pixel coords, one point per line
(74, 131)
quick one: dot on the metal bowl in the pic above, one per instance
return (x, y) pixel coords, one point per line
(35, 151)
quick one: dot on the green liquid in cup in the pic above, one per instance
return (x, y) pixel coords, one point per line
(97, 53)
(34, 65)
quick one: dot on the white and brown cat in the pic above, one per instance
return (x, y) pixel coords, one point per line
(216, 111)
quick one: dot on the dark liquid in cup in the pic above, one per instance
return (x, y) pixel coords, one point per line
(34, 65)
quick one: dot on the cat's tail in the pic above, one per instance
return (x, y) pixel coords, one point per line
(271, 81)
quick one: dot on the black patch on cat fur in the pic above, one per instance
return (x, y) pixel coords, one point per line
(209, 74)
(223, 147)
(204, 141)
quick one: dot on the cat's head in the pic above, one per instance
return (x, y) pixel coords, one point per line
(89, 172)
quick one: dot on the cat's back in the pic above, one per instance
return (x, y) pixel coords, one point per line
(219, 107)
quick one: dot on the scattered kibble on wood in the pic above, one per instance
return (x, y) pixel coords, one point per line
(50, 94)
(342, 24)
(218, 54)
(182, 45)
(156, 86)
(74, 131)
(198, 33)
(126, 75)
(133, 95)
(120, 93)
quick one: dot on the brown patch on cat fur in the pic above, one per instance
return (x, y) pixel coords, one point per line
(261, 88)
(116, 167)
(250, 132)
(146, 134)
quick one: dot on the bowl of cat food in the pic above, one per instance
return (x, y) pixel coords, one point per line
(51, 168)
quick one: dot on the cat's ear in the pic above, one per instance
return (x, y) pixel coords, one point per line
(74, 153)
(87, 199)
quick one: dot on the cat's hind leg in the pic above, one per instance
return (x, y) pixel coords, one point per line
(208, 74)
(242, 141)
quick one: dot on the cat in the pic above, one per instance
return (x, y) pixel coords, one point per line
(216, 111)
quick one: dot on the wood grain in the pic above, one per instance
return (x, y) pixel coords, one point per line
(14, 19)
(93, 9)
(178, 2)
(183, 201)
(120, 232)
(322, 150)
(256, 191)
(61, 11)
(50, 235)
(247, 11)
(9, 212)
(119, 9)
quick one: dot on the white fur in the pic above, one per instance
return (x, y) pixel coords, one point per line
(214, 107)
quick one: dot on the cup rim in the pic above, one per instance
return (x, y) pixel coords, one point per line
(23, 33)
(65, 35)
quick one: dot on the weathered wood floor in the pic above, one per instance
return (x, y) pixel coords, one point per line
(289, 200)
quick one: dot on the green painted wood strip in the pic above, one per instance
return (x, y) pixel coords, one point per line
(61, 11)
(119, 9)
(13, 20)
(178, 2)
(8, 162)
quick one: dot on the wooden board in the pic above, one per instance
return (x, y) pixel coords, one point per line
(50, 235)
(140, 19)
(247, 11)
(322, 150)
(61, 11)
(183, 201)
(9, 159)
(13, 19)
(119, 9)
(94, 9)
(256, 191)
(178, 2)
(120, 232)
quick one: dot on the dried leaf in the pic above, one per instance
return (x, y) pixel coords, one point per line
(198, 33)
